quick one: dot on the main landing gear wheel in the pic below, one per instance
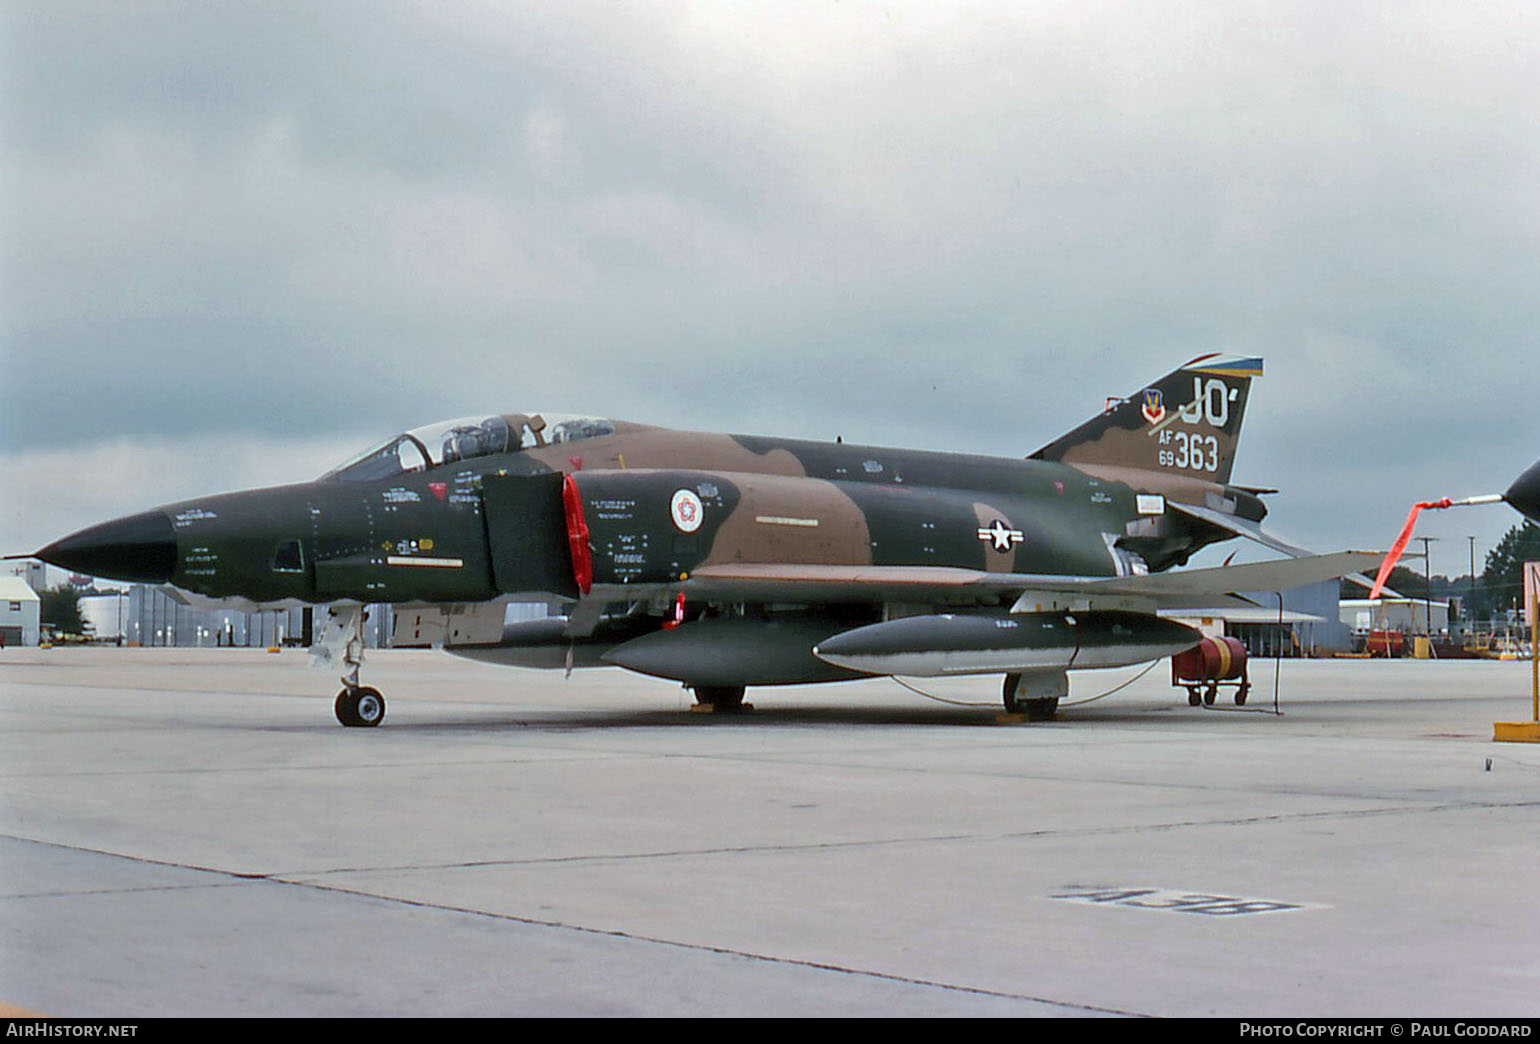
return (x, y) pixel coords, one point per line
(1040, 709)
(720, 698)
(360, 707)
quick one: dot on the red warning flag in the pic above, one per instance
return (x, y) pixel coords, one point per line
(1402, 540)
(1411, 521)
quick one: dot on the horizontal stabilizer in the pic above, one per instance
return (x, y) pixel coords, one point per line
(1242, 527)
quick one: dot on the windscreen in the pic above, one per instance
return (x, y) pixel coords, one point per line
(467, 438)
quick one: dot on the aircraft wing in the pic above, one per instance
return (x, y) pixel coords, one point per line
(1253, 576)
(753, 581)
(1211, 587)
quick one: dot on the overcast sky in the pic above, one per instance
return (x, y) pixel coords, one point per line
(242, 240)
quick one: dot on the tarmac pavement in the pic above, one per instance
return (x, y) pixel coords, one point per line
(190, 832)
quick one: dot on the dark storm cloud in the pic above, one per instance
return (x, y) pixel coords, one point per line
(204, 184)
(358, 84)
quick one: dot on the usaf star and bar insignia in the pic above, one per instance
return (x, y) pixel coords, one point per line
(1002, 536)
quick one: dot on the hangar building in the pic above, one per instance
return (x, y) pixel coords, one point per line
(20, 611)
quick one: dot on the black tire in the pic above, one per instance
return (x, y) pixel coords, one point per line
(1035, 710)
(344, 708)
(1041, 710)
(721, 698)
(361, 707)
(1008, 694)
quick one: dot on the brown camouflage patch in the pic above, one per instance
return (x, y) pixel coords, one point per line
(999, 536)
(644, 446)
(802, 520)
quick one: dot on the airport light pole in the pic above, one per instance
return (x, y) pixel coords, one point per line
(1427, 572)
(1472, 540)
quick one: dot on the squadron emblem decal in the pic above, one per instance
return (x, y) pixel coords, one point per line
(686, 510)
(1154, 408)
(1002, 536)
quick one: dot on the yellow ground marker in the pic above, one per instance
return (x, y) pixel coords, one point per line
(1527, 731)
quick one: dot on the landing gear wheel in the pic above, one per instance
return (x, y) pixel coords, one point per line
(723, 699)
(1008, 694)
(360, 707)
(1041, 710)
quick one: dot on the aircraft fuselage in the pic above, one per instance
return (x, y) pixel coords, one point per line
(658, 505)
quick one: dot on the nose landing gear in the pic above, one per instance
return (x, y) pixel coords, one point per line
(342, 640)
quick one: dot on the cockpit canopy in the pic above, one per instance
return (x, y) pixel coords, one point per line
(469, 437)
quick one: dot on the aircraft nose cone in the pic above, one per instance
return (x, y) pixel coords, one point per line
(1524, 494)
(139, 549)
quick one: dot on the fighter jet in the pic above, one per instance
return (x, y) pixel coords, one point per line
(728, 561)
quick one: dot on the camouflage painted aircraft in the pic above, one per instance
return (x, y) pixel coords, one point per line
(726, 561)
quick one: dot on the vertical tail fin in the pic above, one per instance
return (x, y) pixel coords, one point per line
(1187, 423)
